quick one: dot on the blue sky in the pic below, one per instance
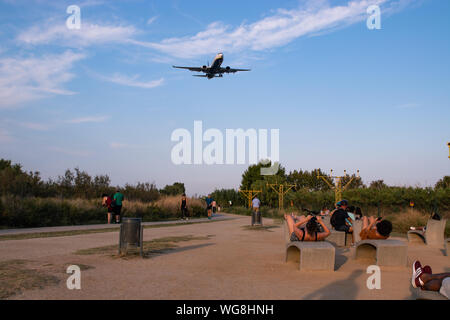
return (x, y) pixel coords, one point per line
(106, 99)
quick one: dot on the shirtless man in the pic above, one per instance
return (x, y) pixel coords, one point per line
(375, 228)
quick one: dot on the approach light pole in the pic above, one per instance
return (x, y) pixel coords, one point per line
(281, 191)
(337, 187)
(249, 195)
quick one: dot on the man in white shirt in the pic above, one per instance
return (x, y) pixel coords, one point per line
(255, 213)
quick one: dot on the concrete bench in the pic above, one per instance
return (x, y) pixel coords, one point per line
(326, 221)
(339, 238)
(384, 252)
(311, 256)
(357, 227)
(447, 247)
(434, 235)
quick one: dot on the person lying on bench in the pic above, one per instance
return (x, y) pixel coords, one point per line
(423, 277)
(310, 232)
(375, 228)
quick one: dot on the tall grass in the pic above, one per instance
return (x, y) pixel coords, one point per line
(41, 212)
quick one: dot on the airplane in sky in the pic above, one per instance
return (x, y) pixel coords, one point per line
(214, 70)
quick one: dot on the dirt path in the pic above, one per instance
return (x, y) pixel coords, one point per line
(234, 263)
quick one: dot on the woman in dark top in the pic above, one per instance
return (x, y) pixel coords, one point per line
(184, 210)
(307, 228)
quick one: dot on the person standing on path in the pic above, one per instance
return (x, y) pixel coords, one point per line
(117, 199)
(184, 210)
(107, 202)
(256, 214)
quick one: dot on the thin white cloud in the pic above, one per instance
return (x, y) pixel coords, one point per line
(33, 126)
(408, 106)
(312, 18)
(151, 20)
(118, 145)
(273, 31)
(5, 136)
(89, 119)
(132, 81)
(27, 79)
(88, 34)
(70, 152)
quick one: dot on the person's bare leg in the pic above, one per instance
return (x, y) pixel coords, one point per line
(109, 217)
(433, 282)
(433, 285)
(365, 223)
(425, 277)
(290, 223)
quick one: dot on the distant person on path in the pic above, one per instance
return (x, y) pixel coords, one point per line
(184, 210)
(423, 277)
(375, 228)
(107, 202)
(310, 232)
(214, 206)
(117, 205)
(256, 214)
(209, 201)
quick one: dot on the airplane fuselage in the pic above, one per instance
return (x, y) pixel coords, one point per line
(215, 66)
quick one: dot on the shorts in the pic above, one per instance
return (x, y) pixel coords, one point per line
(445, 288)
(344, 228)
(209, 207)
(117, 210)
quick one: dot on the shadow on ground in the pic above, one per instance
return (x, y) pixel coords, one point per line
(343, 289)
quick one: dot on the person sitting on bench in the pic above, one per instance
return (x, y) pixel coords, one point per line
(310, 232)
(423, 277)
(375, 228)
(340, 220)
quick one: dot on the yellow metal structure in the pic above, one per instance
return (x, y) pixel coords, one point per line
(337, 187)
(249, 195)
(281, 191)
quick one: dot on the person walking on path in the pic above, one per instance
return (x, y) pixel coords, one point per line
(117, 201)
(209, 201)
(256, 214)
(184, 210)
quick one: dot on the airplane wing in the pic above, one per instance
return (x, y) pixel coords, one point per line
(231, 70)
(196, 69)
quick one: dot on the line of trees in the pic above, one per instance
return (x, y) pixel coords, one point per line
(314, 193)
(74, 184)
